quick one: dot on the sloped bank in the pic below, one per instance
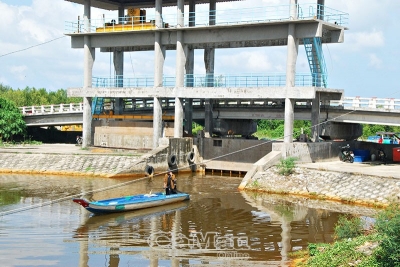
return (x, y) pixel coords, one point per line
(351, 188)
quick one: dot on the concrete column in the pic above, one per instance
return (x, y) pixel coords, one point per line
(292, 46)
(159, 56)
(321, 9)
(88, 61)
(180, 71)
(315, 112)
(118, 58)
(189, 71)
(293, 9)
(189, 83)
(209, 59)
(157, 121)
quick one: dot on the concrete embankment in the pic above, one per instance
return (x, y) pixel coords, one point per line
(65, 160)
(339, 181)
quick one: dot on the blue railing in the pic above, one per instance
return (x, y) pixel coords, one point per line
(226, 80)
(203, 18)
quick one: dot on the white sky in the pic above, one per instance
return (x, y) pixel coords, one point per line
(367, 64)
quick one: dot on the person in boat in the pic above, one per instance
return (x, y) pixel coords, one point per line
(170, 183)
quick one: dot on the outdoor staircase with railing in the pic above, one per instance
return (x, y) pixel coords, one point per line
(316, 61)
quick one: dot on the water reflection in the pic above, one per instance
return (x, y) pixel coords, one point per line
(218, 226)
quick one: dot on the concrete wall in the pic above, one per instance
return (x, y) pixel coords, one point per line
(127, 134)
(236, 150)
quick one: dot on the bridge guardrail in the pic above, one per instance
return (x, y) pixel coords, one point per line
(52, 109)
(368, 103)
(352, 103)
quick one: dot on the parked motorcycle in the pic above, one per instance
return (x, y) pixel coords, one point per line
(79, 140)
(346, 154)
(382, 155)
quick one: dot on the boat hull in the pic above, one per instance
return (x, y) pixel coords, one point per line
(129, 203)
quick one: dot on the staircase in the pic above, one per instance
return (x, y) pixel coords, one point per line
(316, 61)
(97, 105)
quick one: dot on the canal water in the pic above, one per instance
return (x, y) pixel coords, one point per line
(218, 226)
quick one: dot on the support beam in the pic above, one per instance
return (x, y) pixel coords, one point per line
(180, 71)
(209, 59)
(88, 61)
(159, 57)
(292, 52)
(189, 51)
(315, 114)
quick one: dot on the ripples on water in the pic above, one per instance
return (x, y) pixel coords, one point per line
(219, 226)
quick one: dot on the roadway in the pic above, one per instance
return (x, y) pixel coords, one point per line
(383, 111)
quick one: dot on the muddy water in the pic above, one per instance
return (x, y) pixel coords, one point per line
(219, 226)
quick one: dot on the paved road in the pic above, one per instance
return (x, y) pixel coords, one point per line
(367, 168)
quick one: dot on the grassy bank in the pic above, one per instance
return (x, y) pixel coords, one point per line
(376, 246)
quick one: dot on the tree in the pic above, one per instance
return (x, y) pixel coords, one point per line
(11, 120)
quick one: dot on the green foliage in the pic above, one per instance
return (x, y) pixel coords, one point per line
(274, 129)
(343, 253)
(11, 120)
(286, 166)
(348, 227)
(34, 97)
(196, 127)
(388, 225)
(372, 129)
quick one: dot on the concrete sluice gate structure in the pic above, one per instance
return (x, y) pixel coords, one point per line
(114, 107)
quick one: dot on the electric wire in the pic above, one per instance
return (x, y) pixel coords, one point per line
(27, 48)
(159, 174)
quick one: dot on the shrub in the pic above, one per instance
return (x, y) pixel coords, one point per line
(388, 225)
(348, 227)
(286, 166)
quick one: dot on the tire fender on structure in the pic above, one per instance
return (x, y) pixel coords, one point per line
(190, 157)
(172, 160)
(149, 170)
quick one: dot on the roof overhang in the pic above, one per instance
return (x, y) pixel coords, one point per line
(115, 4)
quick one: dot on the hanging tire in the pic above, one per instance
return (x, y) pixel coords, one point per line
(190, 157)
(172, 160)
(149, 170)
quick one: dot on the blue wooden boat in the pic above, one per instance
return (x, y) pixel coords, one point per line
(128, 203)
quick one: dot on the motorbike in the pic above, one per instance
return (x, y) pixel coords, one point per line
(346, 155)
(79, 140)
(382, 155)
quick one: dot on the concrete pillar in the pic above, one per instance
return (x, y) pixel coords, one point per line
(157, 121)
(189, 83)
(315, 112)
(321, 9)
(159, 56)
(189, 72)
(180, 71)
(292, 47)
(118, 58)
(209, 59)
(88, 61)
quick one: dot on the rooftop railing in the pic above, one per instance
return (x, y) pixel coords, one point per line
(216, 80)
(203, 18)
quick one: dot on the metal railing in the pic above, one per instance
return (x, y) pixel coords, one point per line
(216, 80)
(203, 18)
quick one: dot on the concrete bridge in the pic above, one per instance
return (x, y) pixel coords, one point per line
(384, 111)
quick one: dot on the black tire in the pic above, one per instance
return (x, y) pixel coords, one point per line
(171, 160)
(149, 170)
(351, 159)
(190, 157)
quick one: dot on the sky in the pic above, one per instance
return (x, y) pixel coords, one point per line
(34, 52)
